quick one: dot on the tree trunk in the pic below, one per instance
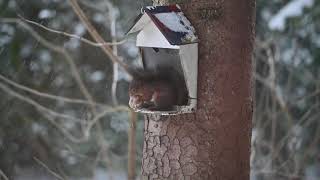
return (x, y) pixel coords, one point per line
(214, 142)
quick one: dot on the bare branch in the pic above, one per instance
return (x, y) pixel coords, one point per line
(100, 7)
(48, 169)
(106, 49)
(2, 174)
(315, 93)
(49, 96)
(76, 75)
(65, 132)
(113, 43)
(132, 145)
(273, 87)
(289, 176)
(57, 49)
(92, 122)
(115, 84)
(35, 104)
(86, 132)
(115, 65)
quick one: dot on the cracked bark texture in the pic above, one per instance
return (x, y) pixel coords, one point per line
(214, 142)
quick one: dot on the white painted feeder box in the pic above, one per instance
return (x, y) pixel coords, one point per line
(167, 38)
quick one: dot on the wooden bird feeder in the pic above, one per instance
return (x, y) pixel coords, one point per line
(167, 38)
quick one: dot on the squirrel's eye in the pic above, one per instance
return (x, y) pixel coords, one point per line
(138, 95)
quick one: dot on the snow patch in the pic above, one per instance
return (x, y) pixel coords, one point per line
(97, 76)
(292, 9)
(175, 22)
(79, 29)
(47, 13)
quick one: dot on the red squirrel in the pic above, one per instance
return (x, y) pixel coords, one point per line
(157, 90)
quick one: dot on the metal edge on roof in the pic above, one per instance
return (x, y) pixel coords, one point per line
(162, 9)
(134, 23)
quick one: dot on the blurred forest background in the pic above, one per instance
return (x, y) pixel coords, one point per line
(63, 104)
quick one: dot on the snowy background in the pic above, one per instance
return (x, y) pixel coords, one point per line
(45, 130)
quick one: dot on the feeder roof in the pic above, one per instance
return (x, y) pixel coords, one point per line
(171, 22)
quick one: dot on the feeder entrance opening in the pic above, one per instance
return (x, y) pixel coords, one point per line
(155, 59)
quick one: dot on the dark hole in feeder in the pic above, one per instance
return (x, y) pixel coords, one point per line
(157, 58)
(156, 49)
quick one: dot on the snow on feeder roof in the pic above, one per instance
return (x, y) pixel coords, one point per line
(169, 24)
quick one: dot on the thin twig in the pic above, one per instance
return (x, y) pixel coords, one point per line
(290, 176)
(49, 96)
(93, 5)
(275, 92)
(113, 43)
(65, 132)
(48, 169)
(76, 75)
(115, 65)
(57, 49)
(313, 94)
(282, 141)
(106, 49)
(132, 145)
(35, 104)
(2, 174)
(92, 122)
(114, 84)
(313, 145)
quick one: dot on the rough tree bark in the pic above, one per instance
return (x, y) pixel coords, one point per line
(214, 142)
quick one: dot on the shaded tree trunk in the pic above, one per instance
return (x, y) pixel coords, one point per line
(214, 142)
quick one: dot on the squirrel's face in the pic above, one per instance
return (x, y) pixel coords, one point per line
(136, 101)
(140, 93)
(157, 90)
